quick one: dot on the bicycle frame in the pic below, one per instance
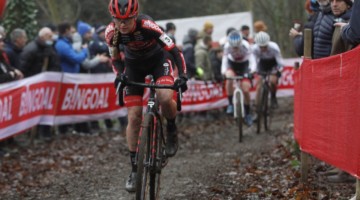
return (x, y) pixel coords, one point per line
(262, 101)
(239, 91)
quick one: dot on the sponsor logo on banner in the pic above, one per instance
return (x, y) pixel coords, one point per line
(85, 98)
(5, 108)
(198, 92)
(36, 99)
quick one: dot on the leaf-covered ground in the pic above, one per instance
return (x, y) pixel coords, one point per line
(210, 164)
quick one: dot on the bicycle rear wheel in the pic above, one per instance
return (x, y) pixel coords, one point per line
(143, 177)
(239, 117)
(266, 110)
(259, 109)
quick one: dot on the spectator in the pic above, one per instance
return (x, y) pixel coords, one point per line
(207, 30)
(98, 62)
(39, 55)
(170, 30)
(36, 57)
(202, 59)
(322, 29)
(216, 55)
(351, 32)
(245, 31)
(18, 39)
(7, 74)
(259, 26)
(70, 60)
(342, 11)
(189, 43)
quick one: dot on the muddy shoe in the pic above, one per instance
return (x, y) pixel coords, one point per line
(171, 141)
(230, 110)
(248, 120)
(341, 177)
(130, 185)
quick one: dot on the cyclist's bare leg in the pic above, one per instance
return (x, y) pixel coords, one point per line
(258, 87)
(133, 127)
(167, 103)
(229, 89)
(273, 87)
(245, 87)
(273, 83)
(229, 83)
(168, 109)
(132, 132)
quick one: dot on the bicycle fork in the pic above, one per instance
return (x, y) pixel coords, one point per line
(235, 102)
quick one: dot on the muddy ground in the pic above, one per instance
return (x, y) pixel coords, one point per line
(210, 164)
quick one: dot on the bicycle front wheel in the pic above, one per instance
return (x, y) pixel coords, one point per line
(159, 161)
(239, 117)
(143, 163)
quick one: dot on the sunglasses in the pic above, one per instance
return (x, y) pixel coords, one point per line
(123, 21)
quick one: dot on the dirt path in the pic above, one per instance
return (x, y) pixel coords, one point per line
(210, 164)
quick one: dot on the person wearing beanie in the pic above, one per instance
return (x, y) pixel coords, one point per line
(208, 29)
(83, 28)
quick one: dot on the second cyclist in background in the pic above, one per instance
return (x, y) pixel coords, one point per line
(238, 60)
(269, 60)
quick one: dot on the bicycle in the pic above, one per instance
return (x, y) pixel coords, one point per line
(151, 157)
(238, 102)
(263, 112)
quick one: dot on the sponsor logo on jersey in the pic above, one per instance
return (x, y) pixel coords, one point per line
(148, 24)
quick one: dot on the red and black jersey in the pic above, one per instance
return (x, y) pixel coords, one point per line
(146, 40)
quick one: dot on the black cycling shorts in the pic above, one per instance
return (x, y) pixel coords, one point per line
(239, 68)
(160, 66)
(267, 65)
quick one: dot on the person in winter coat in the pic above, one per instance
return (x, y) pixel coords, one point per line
(351, 32)
(322, 29)
(70, 60)
(7, 73)
(342, 11)
(39, 55)
(18, 39)
(202, 59)
(189, 43)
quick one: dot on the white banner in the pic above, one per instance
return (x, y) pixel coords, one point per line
(221, 24)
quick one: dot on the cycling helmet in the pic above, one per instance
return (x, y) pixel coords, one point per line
(235, 38)
(123, 9)
(262, 38)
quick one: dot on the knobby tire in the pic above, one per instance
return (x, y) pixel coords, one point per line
(239, 119)
(143, 177)
(266, 109)
(259, 109)
(155, 172)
